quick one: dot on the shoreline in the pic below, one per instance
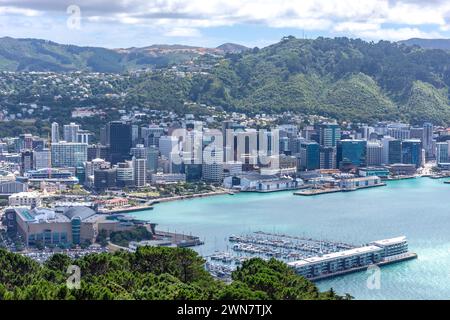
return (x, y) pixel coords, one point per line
(190, 196)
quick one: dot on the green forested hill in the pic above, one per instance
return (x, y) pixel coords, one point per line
(343, 78)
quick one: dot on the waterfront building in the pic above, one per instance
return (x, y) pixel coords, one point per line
(70, 132)
(212, 166)
(27, 199)
(427, 140)
(352, 152)
(260, 183)
(140, 171)
(442, 152)
(374, 153)
(361, 182)
(385, 145)
(353, 259)
(394, 151)
(233, 168)
(55, 132)
(327, 157)
(412, 152)
(400, 169)
(68, 154)
(381, 172)
(120, 140)
(329, 134)
(62, 226)
(167, 178)
(309, 155)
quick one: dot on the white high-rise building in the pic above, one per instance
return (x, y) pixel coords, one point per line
(68, 154)
(55, 132)
(71, 132)
(140, 172)
(385, 146)
(442, 152)
(374, 155)
(212, 167)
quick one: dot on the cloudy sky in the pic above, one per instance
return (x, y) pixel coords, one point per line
(127, 23)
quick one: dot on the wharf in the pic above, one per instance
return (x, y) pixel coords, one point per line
(386, 261)
(125, 210)
(314, 192)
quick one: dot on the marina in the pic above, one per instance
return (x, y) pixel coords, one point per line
(311, 258)
(416, 208)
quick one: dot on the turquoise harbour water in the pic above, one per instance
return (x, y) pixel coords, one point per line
(417, 208)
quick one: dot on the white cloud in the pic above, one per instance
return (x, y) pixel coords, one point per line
(371, 19)
(183, 32)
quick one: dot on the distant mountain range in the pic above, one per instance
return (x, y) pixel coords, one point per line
(42, 55)
(443, 44)
(346, 79)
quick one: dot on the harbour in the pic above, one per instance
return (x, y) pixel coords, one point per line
(314, 259)
(417, 208)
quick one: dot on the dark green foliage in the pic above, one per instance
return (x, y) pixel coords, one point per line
(123, 238)
(150, 273)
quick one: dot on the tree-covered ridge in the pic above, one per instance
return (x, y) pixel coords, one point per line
(344, 78)
(149, 274)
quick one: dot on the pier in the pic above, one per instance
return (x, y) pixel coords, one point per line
(314, 259)
(314, 192)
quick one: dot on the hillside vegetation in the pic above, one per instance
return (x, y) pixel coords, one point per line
(149, 274)
(346, 79)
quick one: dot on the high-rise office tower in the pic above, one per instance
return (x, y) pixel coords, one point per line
(412, 152)
(152, 159)
(120, 141)
(427, 141)
(26, 161)
(327, 158)
(140, 172)
(395, 151)
(55, 132)
(70, 132)
(329, 134)
(352, 152)
(442, 152)
(374, 153)
(212, 167)
(309, 155)
(68, 154)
